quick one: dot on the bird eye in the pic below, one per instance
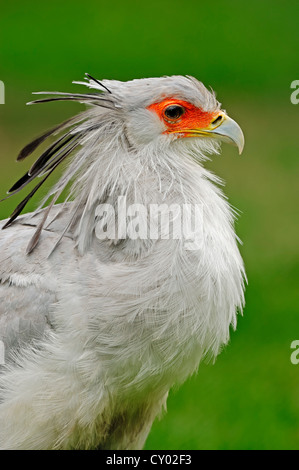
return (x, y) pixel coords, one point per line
(173, 112)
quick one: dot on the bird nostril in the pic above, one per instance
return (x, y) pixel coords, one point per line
(218, 120)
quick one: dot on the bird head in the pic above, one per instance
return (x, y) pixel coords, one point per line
(168, 109)
(142, 117)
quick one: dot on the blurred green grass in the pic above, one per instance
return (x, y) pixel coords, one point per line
(248, 53)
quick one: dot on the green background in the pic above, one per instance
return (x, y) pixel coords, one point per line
(248, 53)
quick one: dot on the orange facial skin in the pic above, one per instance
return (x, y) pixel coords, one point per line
(193, 117)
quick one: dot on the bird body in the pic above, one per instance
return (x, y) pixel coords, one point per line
(98, 329)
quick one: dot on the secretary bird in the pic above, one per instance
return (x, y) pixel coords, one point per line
(98, 320)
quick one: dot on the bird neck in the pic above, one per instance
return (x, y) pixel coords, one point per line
(117, 179)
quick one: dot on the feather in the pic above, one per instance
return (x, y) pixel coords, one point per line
(67, 98)
(40, 164)
(23, 203)
(97, 81)
(48, 169)
(19, 184)
(67, 226)
(34, 240)
(29, 148)
(95, 99)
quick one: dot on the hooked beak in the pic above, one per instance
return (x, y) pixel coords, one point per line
(224, 128)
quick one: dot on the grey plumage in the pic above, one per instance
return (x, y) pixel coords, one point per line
(96, 331)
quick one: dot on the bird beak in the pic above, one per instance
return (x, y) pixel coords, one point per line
(224, 128)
